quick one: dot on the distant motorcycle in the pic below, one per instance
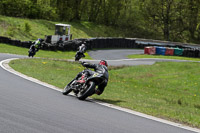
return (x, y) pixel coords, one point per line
(84, 86)
(79, 55)
(32, 51)
(35, 47)
(80, 52)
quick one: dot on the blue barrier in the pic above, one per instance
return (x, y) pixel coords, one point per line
(160, 50)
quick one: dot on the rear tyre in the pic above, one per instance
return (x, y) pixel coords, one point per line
(66, 90)
(29, 54)
(88, 91)
(77, 58)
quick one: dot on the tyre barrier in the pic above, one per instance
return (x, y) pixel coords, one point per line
(96, 43)
(160, 50)
(179, 49)
(18, 43)
(169, 51)
(191, 53)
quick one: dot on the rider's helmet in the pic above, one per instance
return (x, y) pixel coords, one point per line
(83, 45)
(103, 62)
(39, 39)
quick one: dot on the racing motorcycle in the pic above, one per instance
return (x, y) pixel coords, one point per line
(85, 85)
(79, 55)
(32, 51)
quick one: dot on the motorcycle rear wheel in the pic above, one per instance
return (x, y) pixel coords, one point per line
(66, 90)
(88, 91)
(31, 54)
(77, 58)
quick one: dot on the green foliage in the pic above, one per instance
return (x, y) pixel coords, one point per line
(40, 28)
(173, 20)
(27, 27)
(11, 32)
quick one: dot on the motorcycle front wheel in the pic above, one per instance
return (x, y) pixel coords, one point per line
(66, 90)
(88, 91)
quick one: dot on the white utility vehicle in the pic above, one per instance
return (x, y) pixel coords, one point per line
(60, 34)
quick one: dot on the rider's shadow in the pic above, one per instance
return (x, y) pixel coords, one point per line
(109, 101)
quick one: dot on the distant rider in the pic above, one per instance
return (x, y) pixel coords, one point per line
(82, 49)
(100, 68)
(36, 45)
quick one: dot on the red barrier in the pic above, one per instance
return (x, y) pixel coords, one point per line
(150, 50)
(169, 51)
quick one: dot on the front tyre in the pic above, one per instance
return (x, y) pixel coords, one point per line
(88, 91)
(66, 90)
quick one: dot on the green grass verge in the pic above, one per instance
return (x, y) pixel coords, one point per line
(163, 57)
(5, 48)
(31, 29)
(168, 90)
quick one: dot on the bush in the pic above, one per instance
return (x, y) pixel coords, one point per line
(27, 27)
(11, 31)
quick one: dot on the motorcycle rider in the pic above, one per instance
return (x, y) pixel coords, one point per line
(101, 68)
(82, 49)
(36, 45)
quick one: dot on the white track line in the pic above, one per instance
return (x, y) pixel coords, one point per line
(142, 59)
(5, 66)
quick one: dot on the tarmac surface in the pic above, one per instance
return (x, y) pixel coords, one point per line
(31, 106)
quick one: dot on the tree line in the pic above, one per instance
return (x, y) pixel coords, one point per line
(171, 20)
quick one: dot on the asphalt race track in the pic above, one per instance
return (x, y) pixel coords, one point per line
(114, 54)
(118, 57)
(28, 107)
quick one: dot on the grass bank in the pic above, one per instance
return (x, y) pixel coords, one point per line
(163, 57)
(5, 48)
(31, 29)
(168, 90)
